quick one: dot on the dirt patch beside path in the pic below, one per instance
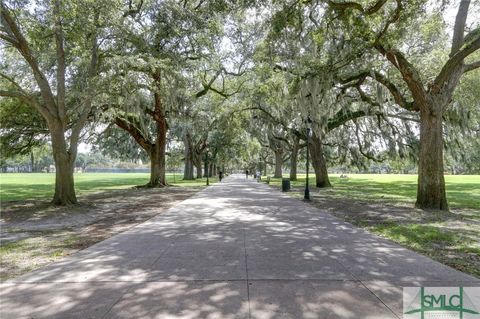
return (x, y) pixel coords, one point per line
(34, 234)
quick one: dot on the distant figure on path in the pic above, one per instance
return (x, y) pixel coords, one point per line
(220, 176)
(246, 173)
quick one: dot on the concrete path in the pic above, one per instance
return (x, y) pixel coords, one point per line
(235, 250)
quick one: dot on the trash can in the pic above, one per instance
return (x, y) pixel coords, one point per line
(285, 184)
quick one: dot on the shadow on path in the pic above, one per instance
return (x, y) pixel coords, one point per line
(238, 249)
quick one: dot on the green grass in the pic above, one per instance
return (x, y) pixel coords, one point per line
(27, 254)
(28, 186)
(463, 191)
(457, 248)
(416, 236)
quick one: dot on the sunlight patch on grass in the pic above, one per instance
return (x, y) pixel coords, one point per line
(22, 256)
(31, 186)
(463, 191)
(446, 246)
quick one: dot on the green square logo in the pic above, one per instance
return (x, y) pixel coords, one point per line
(441, 302)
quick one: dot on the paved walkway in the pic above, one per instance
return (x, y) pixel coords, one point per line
(235, 250)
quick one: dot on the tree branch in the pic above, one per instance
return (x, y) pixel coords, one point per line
(341, 117)
(23, 48)
(9, 39)
(11, 80)
(374, 8)
(360, 147)
(87, 106)
(135, 133)
(61, 64)
(397, 95)
(392, 19)
(409, 73)
(459, 27)
(14, 94)
(207, 86)
(472, 66)
(454, 61)
(345, 5)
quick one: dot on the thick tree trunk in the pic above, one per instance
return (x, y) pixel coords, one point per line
(431, 182)
(155, 171)
(157, 165)
(294, 159)
(278, 163)
(210, 170)
(157, 153)
(318, 162)
(205, 168)
(188, 171)
(64, 163)
(198, 166)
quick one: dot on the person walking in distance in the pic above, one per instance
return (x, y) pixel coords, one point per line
(246, 173)
(220, 176)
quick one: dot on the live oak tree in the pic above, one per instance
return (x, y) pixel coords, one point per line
(51, 63)
(306, 87)
(195, 144)
(381, 25)
(142, 111)
(310, 64)
(197, 121)
(230, 140)
(161, 41)
(276, 142)
(151, 48)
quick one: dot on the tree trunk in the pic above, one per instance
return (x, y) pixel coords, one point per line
(155, 172)
(278, 163)
(318, 162)
(198, 165)
(157, 153)
(188, 171)
(294, 159)
(210, 170)
(205, 168)
(32, 161)
(64, 181)
(157, 165)
(431, 182)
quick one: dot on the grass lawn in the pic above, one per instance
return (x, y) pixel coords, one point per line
(463, 191)
(383, 204)
(28, 186)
